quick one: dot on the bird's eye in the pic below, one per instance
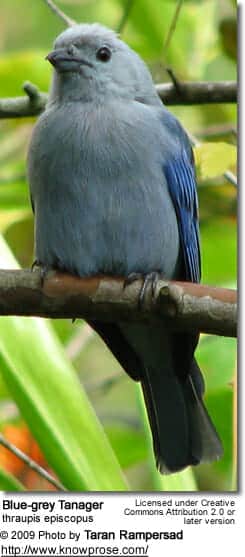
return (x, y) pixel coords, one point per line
(71, 49)
(103, 54)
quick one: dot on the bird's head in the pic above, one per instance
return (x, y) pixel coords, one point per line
(92, 63)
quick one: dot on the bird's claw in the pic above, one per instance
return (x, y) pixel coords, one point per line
(44, 269)
(149, 280)
(132, 277)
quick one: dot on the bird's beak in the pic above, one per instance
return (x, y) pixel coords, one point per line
(63, 61)
(55, 56)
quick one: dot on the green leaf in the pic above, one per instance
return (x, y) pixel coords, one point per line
(182, 481)
(228, 35)
(220, 475)
(219, 251)
(16, 68)
(19, 235)
(148, 27)
(9, 483)
(129, 444)
(14, 195)
(217, 357)
(220, 68)
(213, 159)
(44, 385)
(220, 406)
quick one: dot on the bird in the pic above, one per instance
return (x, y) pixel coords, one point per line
(113, 190)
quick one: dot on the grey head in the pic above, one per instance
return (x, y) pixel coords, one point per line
(92, 64)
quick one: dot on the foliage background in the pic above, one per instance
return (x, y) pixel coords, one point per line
(63, 398)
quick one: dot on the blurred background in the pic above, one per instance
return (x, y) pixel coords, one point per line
(43, 366)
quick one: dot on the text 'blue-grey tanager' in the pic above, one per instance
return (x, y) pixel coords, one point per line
(113, 191)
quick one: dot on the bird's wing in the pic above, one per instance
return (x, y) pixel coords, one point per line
(180, 175)
(179, 172)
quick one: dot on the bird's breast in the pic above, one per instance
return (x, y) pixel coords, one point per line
(100, 198)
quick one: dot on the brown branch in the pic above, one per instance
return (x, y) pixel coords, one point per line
(217, 130)
(198, 92)
(60, 13)
(31, 105)
(30, 463)
(172, 25)
(188, 93)
(185, 306)
(126, 12)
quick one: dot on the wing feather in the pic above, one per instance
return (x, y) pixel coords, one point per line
(180, 175)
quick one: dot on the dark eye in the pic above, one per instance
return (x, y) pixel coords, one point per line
(103, 54)
(71, 49)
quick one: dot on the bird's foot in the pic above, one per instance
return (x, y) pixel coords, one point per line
(149, 280)
(43, 269)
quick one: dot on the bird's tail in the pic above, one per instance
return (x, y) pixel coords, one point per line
(182, 431)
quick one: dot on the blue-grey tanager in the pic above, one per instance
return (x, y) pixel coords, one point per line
(113, 191)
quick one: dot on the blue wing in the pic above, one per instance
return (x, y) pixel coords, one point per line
(180, 175)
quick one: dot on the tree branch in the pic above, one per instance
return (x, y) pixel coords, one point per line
(59, 13)
(126, 12)
(188, 93)
(185, 306)
(30, 463)
(31, 105)
(172, 25)
(198, 92)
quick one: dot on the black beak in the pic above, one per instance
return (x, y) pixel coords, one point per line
(60, 57)
(54, 56)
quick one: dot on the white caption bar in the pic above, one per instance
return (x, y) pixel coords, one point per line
(149, 525)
